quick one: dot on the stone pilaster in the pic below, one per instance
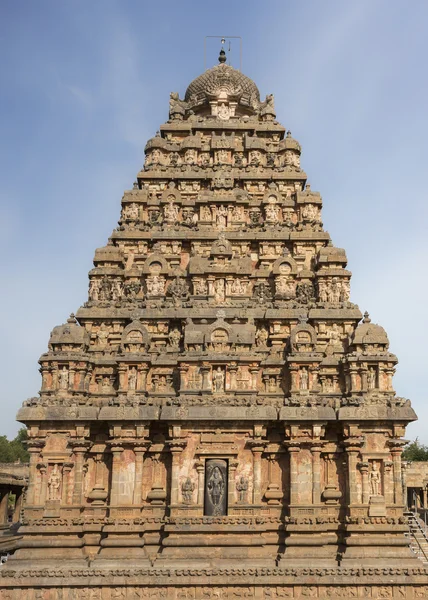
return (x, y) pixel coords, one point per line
(139, 450)
(257, 449)
(79, 450)
(116, 452)
(316, 473)
(176, 448)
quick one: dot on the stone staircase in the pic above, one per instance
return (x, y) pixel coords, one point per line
(418, 536)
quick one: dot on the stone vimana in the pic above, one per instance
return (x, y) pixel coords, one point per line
(218, 420)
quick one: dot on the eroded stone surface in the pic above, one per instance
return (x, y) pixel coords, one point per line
(218, 330)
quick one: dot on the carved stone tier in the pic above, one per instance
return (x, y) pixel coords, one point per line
(217, 421)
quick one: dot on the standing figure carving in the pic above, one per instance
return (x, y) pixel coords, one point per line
(375, 480)
(54, 484)
(218, 380)
(242, 488)
(187, 488)
(216, 487)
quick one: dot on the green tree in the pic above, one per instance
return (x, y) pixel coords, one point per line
(13, 450)
(415, 451)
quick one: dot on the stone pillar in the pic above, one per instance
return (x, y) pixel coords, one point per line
(316, 474)
(254, 370)
(364, 468)
(233, 369)
(388, 481)
(396, 465)
(205, 370)
(404, 481)
(34, 450)
(293, 378)
(114, 492)
(71, 372)
(45, 373)
(231, 483)
(4, 497)
(139, 452)
(183, 369)
(363, 374)
(424, 498)
(19, 494)
(66, 469)
(200, 469)
(122, 371)
(44, 483)
(176, 448)
(353, 374)
(257, 473)
(352, 453)
(79, 452)
(293, 451)
(142, 381)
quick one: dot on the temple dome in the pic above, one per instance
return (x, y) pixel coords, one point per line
(370, 333)
(69, 333)
(222, 78)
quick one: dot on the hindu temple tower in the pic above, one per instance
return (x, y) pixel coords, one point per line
(218, 420)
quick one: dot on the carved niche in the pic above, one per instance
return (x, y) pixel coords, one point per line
(215, 500)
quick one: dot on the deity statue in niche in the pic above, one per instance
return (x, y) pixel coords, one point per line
(173, 159)
(102, 335)
(254, 158)
(190, 156)
(174, 338)
(222, 214)
(155, 156)
(200, 287)
(292, 159)
(284, 286)
(238, 214)
(304, 378)
(155, 286)
(346, 291)
(223, 156)
(94, 289)
(272, 212)
(219, 293)
(310, 212)
(223, 112)
(218, 380)
(117, 290)
(63, 378)
(238, 159)
(216, 487)
(205, 213)
(187, 488)
(242, 489)
(322, 291)
(371, 378)
(335, 334)
(375, 480)
(170, 213)
(132, 379)
(287, 217)
(130, 211)
(54, 484)
(335, 290)
(262, 336)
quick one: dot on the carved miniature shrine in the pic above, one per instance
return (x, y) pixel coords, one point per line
(218, 420)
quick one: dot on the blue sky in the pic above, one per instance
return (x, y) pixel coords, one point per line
(85, 83)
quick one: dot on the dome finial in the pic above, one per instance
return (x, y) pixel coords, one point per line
(222, 57)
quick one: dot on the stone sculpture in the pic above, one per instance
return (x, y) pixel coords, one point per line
(218, 339)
